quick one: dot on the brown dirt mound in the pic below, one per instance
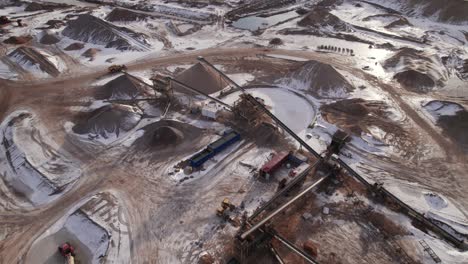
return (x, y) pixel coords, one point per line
(107, 121)
(49, 39)
(320, 17)
(387, 226)
(276, 41)
(202, 78)
(319, 80)
(119, 14)
(356, 115)
(123, 87)
(417, 71)
(415, 81)
(18, 40)
(90, 53)
(75, 46)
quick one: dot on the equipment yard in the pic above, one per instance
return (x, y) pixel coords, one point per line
(280, 131)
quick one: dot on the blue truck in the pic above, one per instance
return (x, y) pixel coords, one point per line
(228, 138)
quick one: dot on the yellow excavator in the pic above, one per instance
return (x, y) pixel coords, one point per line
(225, 205)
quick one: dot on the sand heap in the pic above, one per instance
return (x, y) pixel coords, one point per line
(356, 115)
(27, 56)
(88, 28)
(363, 118)
(49, 39)
(91, 53)
(318, 79)
(320, 18)
(124, 87)
(75, 46)
(168, 134)
(108, 121)
(124, 15)
(200, 77)
(417, 71)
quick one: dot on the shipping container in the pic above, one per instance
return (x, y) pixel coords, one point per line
(214, 148)
(224, 142)
(198, 159)
(274, 163)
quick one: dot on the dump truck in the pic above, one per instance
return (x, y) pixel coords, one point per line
(68, 252)
(117, 68)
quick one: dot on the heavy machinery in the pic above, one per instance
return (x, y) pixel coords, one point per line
(117, 68)
(225, 205)
(68, 252)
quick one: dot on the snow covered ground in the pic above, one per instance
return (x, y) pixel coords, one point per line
(295, 108)
(32, 164)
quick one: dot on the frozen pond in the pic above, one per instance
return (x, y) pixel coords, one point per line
(253, 23)
(294, 111)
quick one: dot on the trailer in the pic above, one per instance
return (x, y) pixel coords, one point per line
(276, 161)
(214, 148)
